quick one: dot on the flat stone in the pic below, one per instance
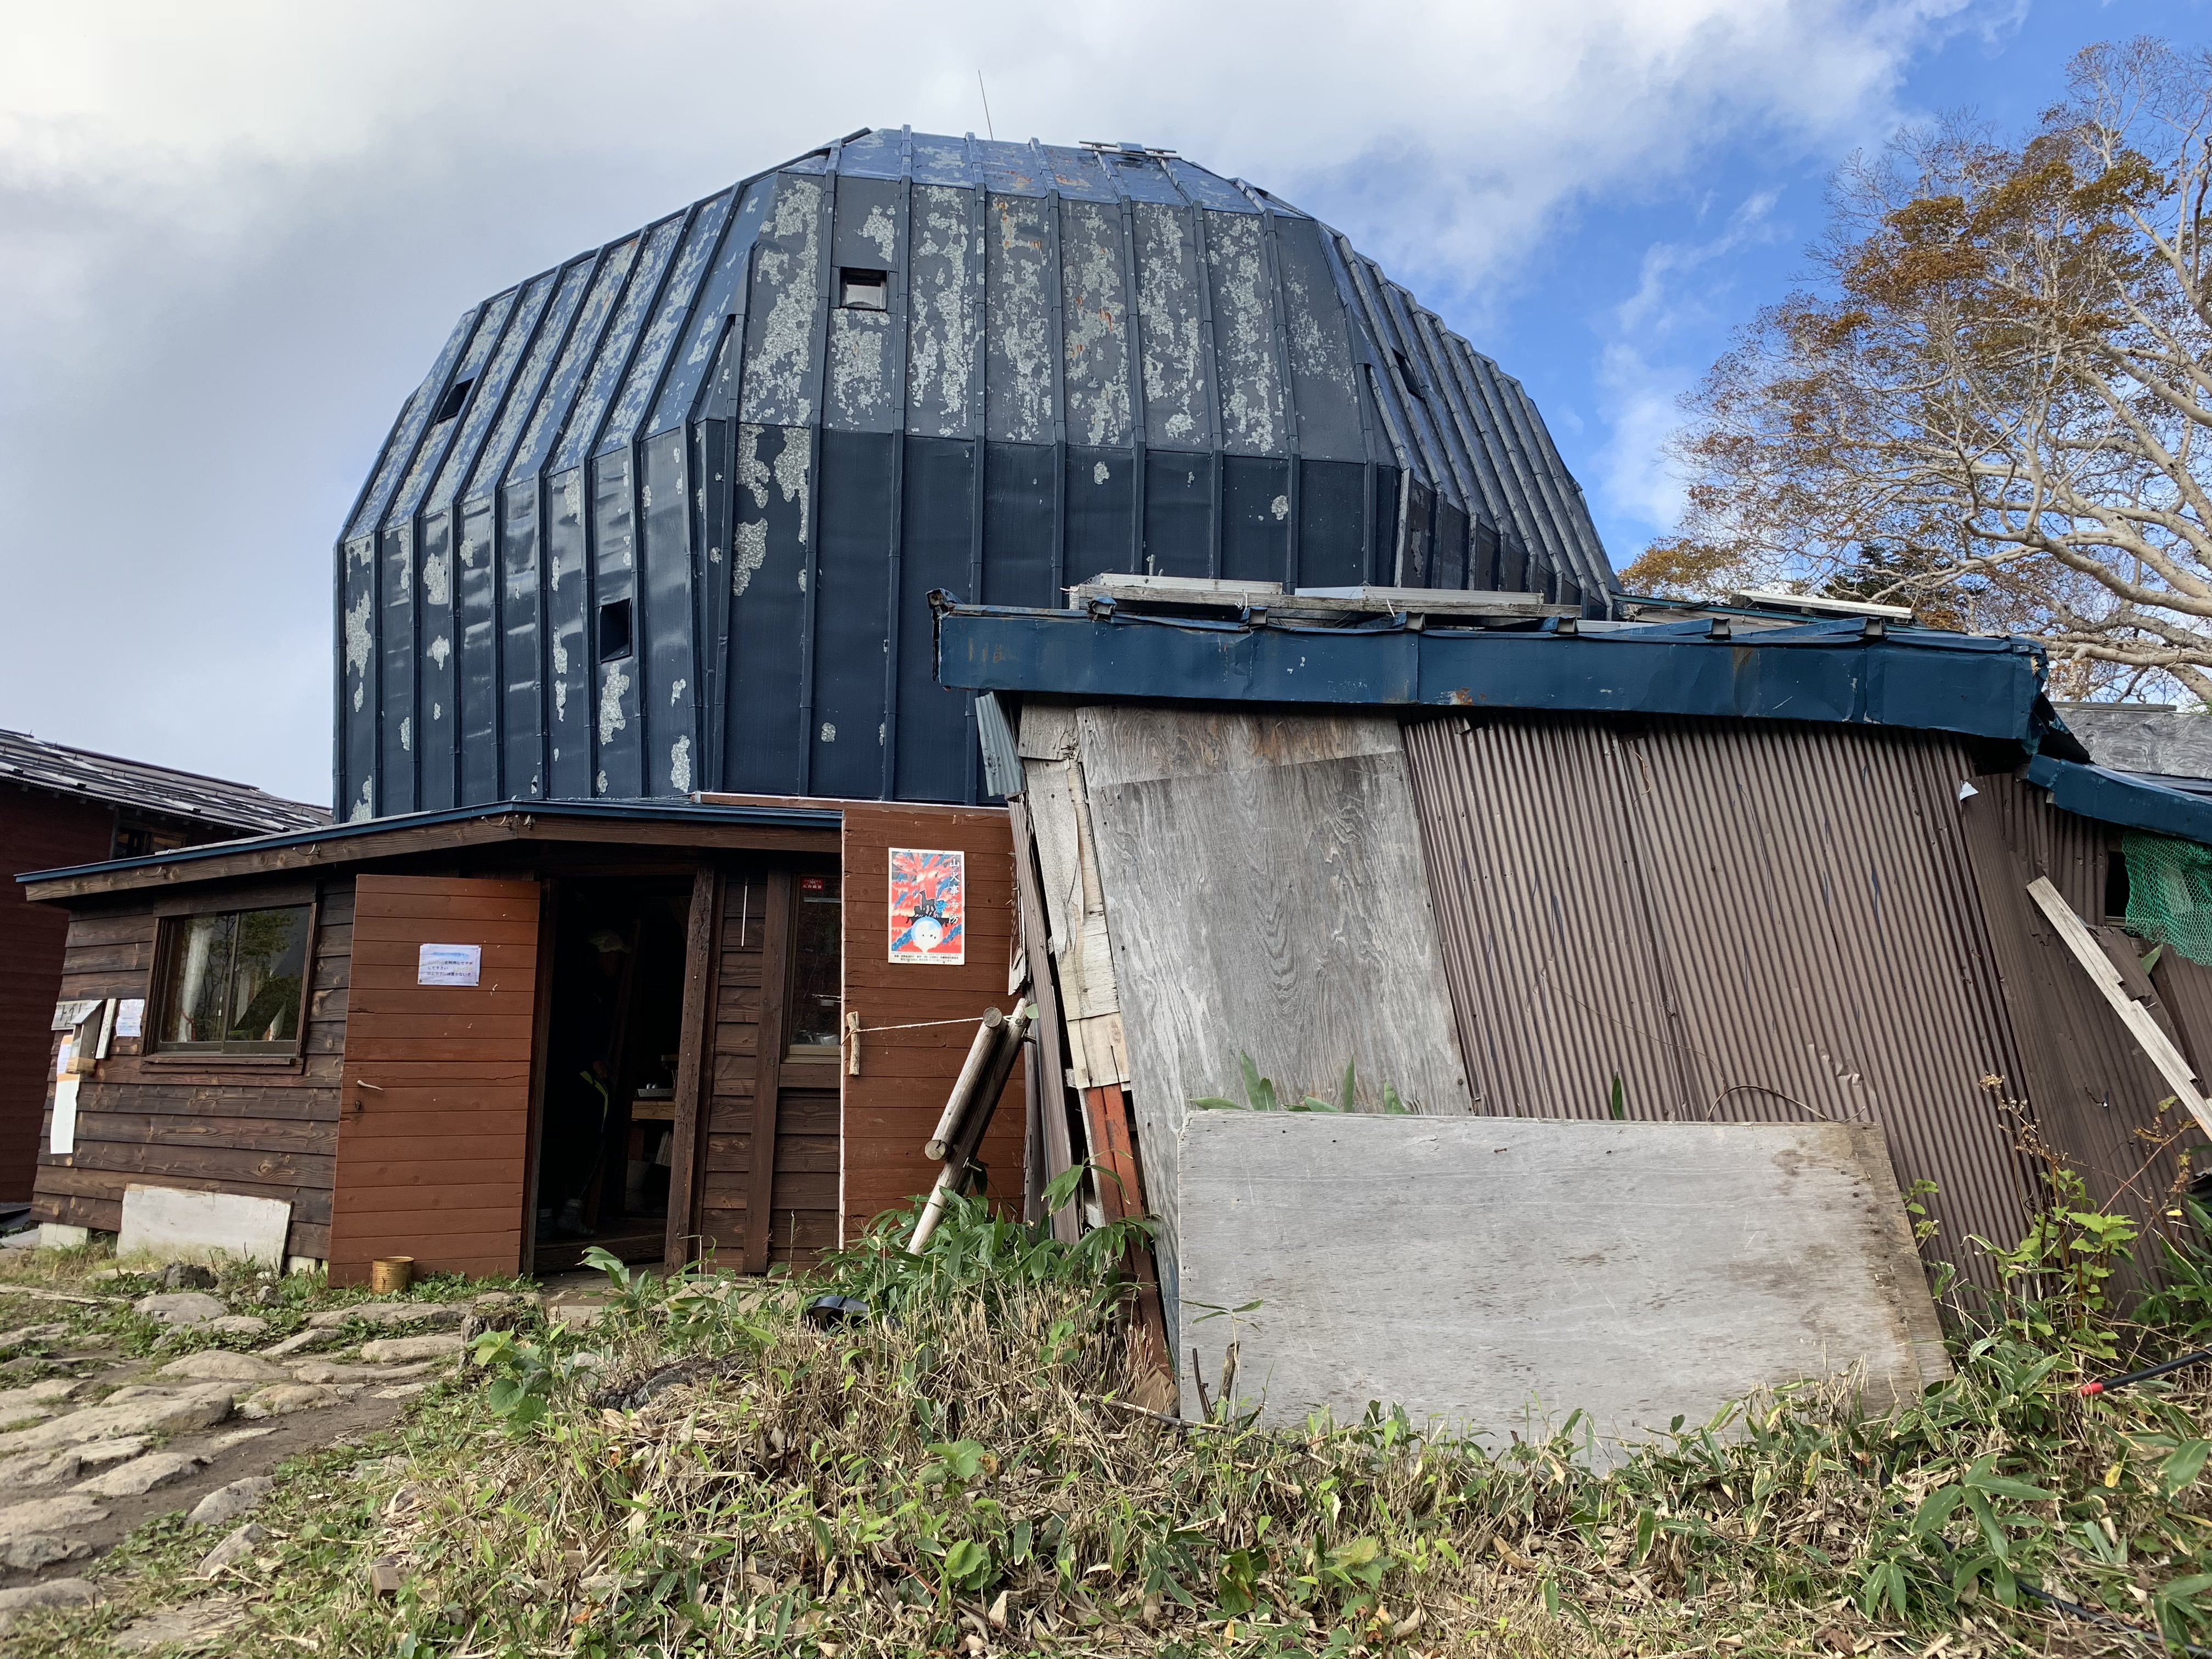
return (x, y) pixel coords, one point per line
(39, 1469)
(402, 1391)
(294, 1343)
(36, 1551)
(227, 1503)
(40, 1400)
(322, 1371)
(402, 1348)
(53, 1593)
(389, 1313)
(576, 1314)
(49, 1514)
(500, 1298)
(141, 1475)
(188, 1276)
(102, 1453)
(217, 1365)
(200, 1407)
(282, 1399)
(185, 1308)
(195, 1621)
(236, 1325)
(238, 1437)
(234, 1549)
(28, 1335)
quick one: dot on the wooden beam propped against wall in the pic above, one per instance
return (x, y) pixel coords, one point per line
(767, 1077)
(2139, 1020)
(695, 1063)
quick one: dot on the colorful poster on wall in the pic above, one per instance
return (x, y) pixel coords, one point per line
(929, 906)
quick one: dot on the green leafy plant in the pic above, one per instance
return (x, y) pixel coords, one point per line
(2057, 1278)
(1260, 1094)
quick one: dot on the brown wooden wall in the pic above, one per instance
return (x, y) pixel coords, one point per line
(267, 1129)
(892, 1106)
(746, 1023)
(37, 832)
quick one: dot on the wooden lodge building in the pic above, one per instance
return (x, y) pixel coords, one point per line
(669, 884)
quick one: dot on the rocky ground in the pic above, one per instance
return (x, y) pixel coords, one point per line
(127, 1399)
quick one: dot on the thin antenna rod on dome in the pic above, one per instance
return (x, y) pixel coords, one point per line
(988, 131)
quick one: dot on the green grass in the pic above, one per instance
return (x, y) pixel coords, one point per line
(958, 1481)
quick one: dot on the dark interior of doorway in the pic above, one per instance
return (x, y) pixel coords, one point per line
(609, 1108)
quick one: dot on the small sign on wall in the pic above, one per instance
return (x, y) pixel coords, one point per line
(929, 906)
(449, 964)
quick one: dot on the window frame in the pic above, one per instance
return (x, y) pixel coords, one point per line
(169, 930)
(794, 1051)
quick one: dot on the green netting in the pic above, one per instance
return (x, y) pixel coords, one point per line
(2169, 893)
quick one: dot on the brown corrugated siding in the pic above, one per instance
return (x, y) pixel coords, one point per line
(1741, 921)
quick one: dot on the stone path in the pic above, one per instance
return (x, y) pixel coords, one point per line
(90, 1454)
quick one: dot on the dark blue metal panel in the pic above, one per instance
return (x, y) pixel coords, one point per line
(1178, 514)
(488, 397)
(1017, 498)
(784, 319)
(479, 623)
(2122, 798)
(567, 638)
(1206, 190)
(1178, 402)
(767, 607)
(1255, 505)
(1101, 507)
(1094, 325)
(617, 718)
(581, 432)
(946, 252)
(669, 697)
(357, 708)
(437, 441)
(1332, 526)
(865, 373)
(395, 688)
(522, 642)
(1252, 421)
(437, 709)
(852, 620)
(1018, 342)
(937, 513)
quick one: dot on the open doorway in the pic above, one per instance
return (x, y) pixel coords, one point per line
(608, 1111)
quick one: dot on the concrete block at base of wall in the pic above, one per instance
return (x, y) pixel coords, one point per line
(180, 1224)
(1493, 1275)
(60, 1236)
(303, 1264)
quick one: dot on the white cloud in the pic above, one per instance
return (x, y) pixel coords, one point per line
(234, 234)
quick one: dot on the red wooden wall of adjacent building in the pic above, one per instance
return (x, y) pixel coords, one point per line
(38, 831)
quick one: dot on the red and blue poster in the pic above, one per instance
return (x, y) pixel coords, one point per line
(929, 906)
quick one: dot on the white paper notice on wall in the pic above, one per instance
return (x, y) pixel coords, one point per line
(63, 1141)
(130, 1017)
(449, 964)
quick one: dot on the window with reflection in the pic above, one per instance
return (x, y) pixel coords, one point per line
(818, 967)
(233, 981)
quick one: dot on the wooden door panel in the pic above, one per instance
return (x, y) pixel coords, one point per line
(434, 1109)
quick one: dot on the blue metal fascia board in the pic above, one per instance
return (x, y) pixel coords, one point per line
(778, 817)
(2093, 791)
(1884, 682)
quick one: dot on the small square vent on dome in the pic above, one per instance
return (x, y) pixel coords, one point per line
(456, 400)
(863, 290)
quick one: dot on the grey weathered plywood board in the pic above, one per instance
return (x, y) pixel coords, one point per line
(1264, 894)
(1493, 1275)
(194, 1226)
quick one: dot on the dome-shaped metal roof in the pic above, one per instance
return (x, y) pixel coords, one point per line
(667, 517)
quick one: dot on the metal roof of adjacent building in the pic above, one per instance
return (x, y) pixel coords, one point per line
(1853, 672)
(163, 790)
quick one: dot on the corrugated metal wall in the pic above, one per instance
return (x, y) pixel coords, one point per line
(1738, 920)
(1076, 360)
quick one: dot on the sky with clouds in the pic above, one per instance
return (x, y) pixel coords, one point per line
(233, 236)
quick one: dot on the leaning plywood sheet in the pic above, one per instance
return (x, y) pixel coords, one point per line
(1264, 894)
(1493, 1275)
(180, 1226)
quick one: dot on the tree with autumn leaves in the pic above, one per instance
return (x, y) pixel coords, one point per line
(1995, 403)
